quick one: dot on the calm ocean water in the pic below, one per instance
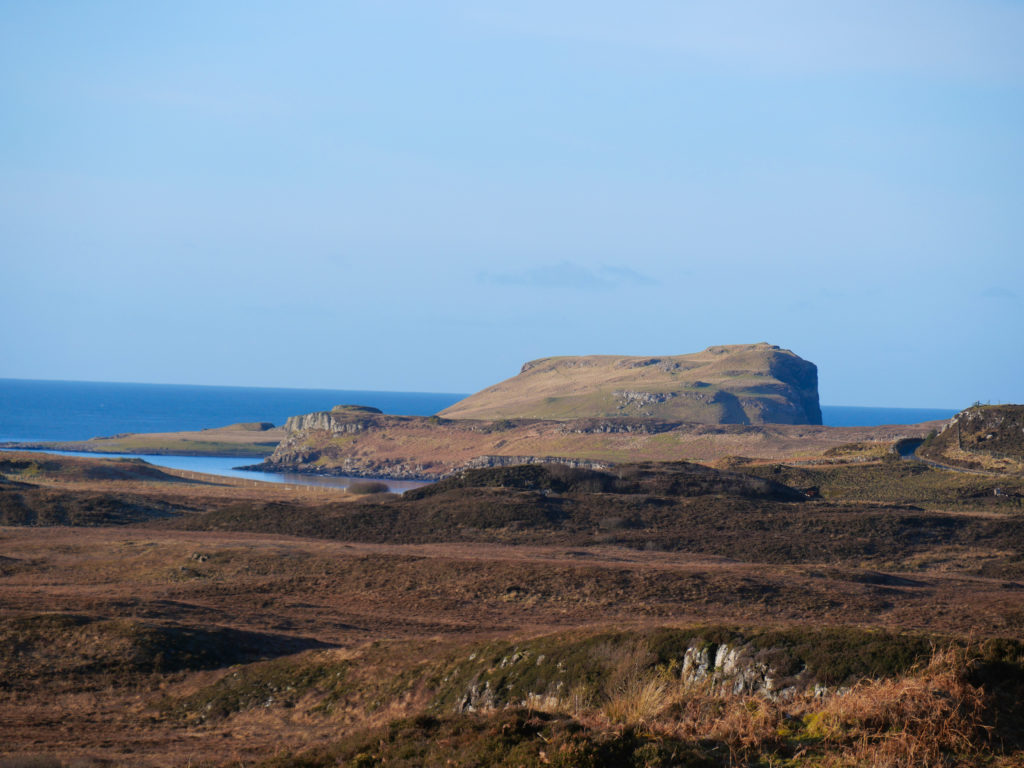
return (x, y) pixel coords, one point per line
(852, 416)
(78, 410)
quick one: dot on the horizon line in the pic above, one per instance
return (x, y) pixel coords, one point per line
(409, 392)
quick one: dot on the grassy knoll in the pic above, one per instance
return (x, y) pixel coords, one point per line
(255, 440)
(41, 489)
(901, 482)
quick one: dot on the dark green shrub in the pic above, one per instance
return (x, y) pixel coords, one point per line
(365, 487)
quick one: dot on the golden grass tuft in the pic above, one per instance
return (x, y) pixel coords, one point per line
(635, 693)
(931, 717)
(637, 701)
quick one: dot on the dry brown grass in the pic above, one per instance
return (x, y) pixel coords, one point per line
(253, 580)
(446, 595)
(636, 696)
(931, 717)
(916, 720)
(433, 449)
(975, 461)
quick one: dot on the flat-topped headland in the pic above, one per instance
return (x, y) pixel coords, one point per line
(732, 384)
(752, 400)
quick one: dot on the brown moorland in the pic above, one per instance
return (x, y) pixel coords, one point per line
(859, 613)
(376, 445)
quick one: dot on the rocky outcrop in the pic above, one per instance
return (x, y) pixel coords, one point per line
(724, 669)
(739, 669)
(737, 384)
(558, 674)
(319, 443)
(982, 437)
(616, 426)
(487, 462)
(338, 420)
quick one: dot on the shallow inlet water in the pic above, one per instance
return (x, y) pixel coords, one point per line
(227, 466)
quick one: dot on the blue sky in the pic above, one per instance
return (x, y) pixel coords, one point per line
(422, 196)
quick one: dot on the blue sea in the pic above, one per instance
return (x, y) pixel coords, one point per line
(36, 411)
(859, 416)
(78, 410)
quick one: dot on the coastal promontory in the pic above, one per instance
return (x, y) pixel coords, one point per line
(755, 400)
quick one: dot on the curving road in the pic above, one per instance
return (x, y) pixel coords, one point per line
(907, 449)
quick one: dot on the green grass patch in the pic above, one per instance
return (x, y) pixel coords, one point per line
(277, 683)
(900, 482)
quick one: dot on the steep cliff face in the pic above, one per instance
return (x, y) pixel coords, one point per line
(738, 384)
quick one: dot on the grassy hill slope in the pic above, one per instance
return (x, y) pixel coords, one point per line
(738, 384)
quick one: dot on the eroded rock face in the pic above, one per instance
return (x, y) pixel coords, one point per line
(484, 462)
(738, 669)
(340, 419)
